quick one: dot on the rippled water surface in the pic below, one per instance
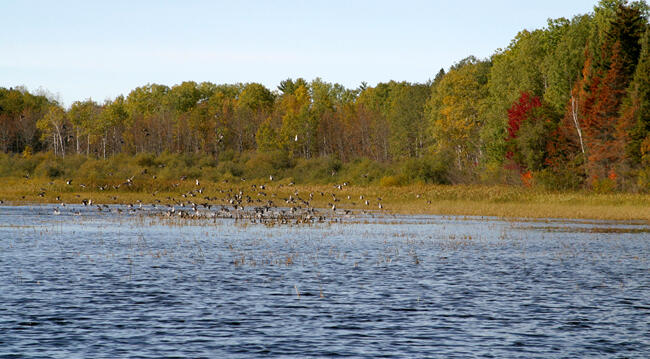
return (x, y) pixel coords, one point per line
(103, 284)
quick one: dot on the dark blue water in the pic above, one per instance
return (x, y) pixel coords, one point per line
(105, 285)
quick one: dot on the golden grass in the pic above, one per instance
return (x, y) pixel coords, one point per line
(479, 200)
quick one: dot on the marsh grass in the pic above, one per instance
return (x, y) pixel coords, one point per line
(471, 200)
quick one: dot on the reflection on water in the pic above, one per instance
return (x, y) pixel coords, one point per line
(102, 284)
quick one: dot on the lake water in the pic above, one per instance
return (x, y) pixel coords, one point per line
(106, 285)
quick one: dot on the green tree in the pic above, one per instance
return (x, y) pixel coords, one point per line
(454, 112)
(83, 116)
(514, 70)
(53, 126)
(408, 126)
(637, 106)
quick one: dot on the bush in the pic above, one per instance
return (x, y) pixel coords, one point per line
(388, 181)
(146, 160)
(364, 171)
(560, 179)
(261, 165)
(427, 170)
(230, 168)
(643, 180)
(49, 168)
(315, 170)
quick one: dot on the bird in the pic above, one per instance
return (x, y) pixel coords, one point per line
(296, 139)
(68, 182)
(197, 181)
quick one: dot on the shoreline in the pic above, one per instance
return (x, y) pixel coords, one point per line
(506, 202)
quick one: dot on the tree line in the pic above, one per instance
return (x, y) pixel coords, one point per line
(568, 104)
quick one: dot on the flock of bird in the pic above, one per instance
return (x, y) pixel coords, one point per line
(254, 203)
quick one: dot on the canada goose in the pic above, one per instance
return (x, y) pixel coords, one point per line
(68, 182)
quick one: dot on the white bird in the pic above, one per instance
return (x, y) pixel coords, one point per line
(197, 181)
(296, 139)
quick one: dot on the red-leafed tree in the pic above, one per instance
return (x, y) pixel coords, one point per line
(605, 131)
(519, 111)
(529, 126)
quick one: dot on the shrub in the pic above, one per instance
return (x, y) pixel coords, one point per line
(364, 171)
(426, 169)
(49, 168)
(396, 180)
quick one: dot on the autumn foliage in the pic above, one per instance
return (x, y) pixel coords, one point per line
(567, 105)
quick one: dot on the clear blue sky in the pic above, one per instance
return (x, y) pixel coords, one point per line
(100, 49)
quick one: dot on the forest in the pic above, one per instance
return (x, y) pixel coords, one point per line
(562, 107)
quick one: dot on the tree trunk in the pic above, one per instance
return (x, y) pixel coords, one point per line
(574, 115)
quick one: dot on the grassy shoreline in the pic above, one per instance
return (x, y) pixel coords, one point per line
(474, 200)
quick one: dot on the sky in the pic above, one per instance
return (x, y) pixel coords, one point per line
(100, 49)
